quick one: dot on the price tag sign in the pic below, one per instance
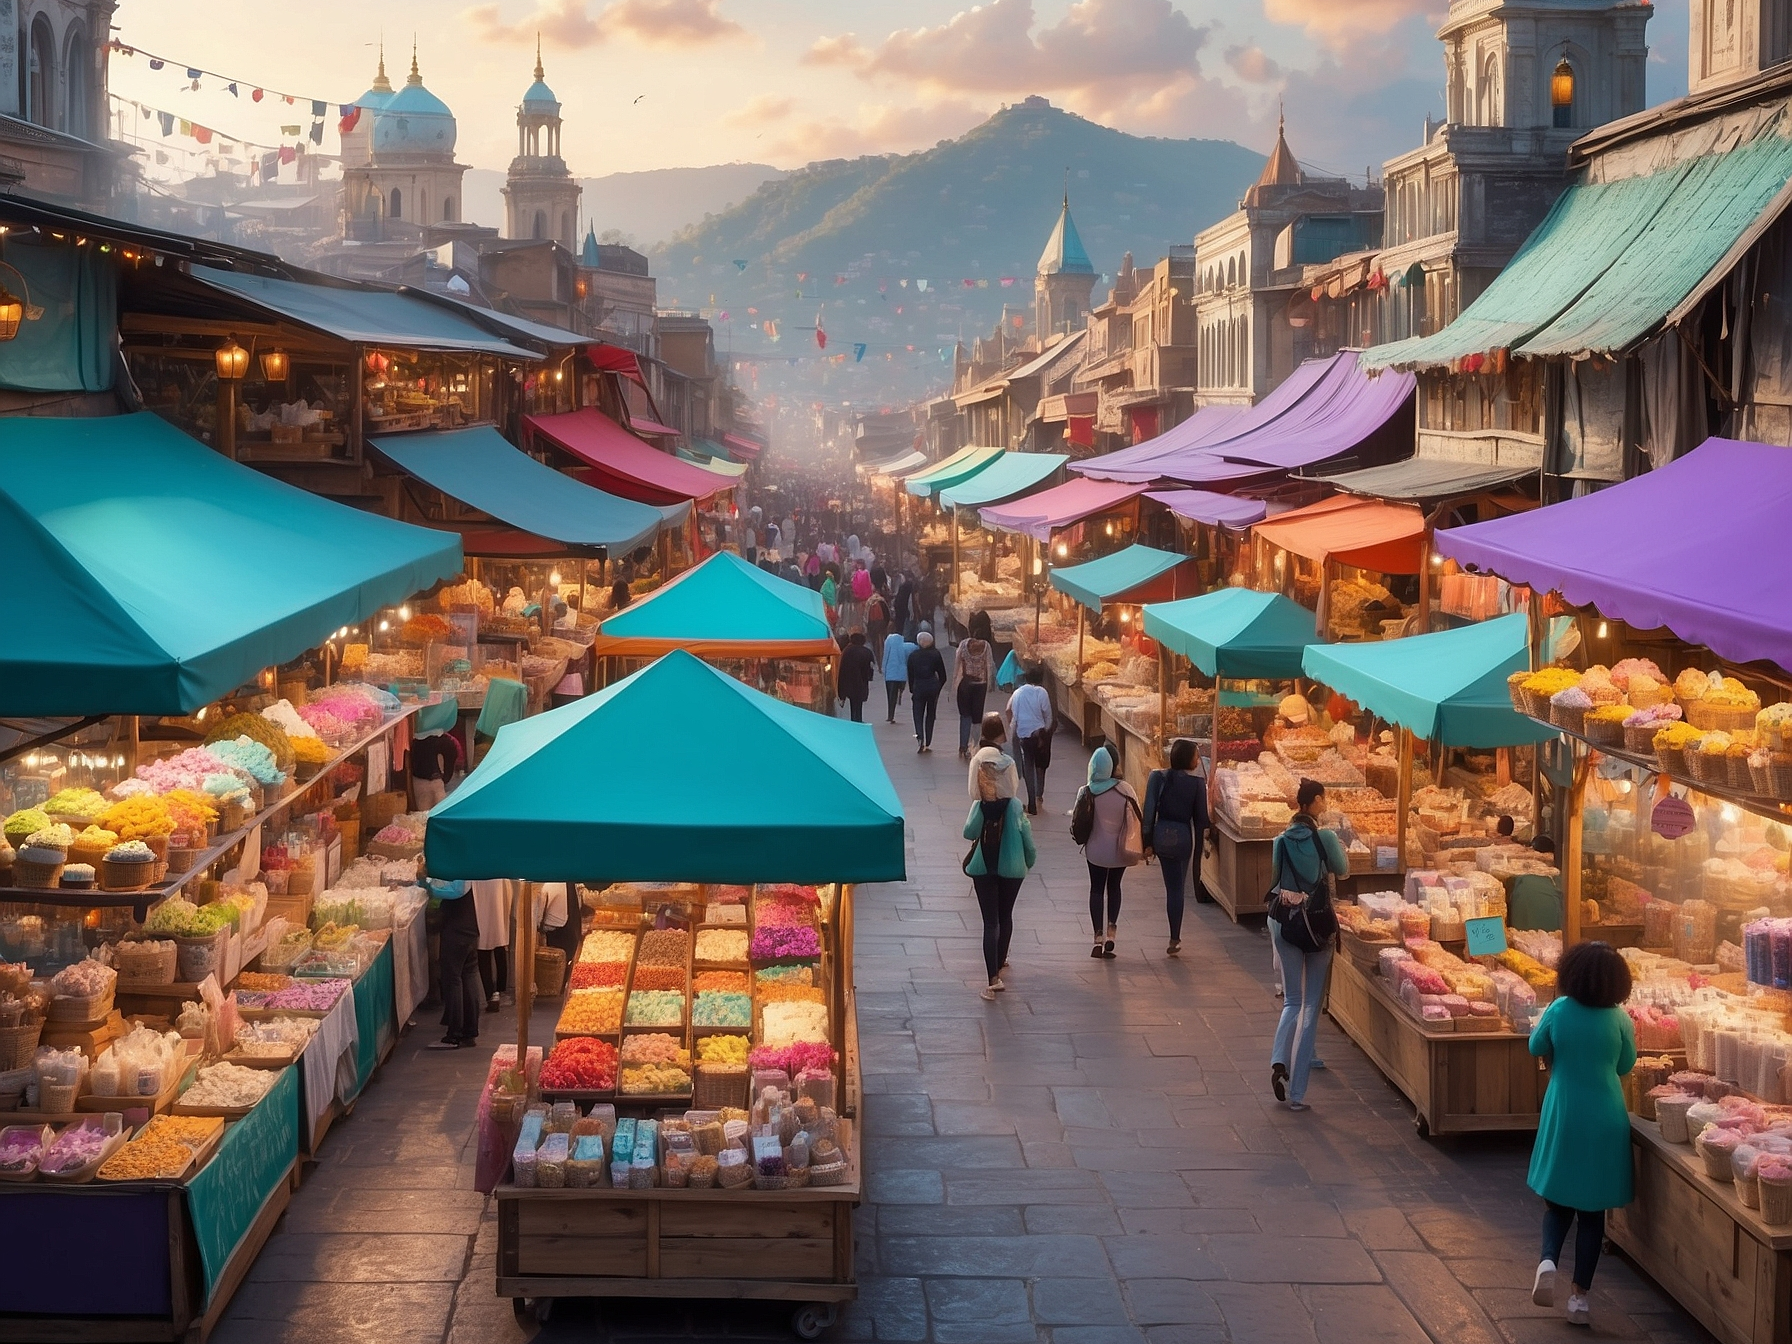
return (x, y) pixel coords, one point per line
(1486, 937)
(1672, 817)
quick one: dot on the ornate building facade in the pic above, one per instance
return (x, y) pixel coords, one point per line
(541, 198)
(53, 100)
(399, 176)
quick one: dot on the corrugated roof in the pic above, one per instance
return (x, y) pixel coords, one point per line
(1425, 478)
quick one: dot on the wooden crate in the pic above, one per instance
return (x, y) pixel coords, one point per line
(1236, 871)
(1458, 1081)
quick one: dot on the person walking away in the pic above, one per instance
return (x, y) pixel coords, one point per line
(458, 961)
(493, 899)
(852, 682)
(926, 679)
(1302, 929)
(902, 608)
(1031, 720)
(877, 616)
(972, 671)
(1580, 1163)
(1000, 857)
(1114, 842)
(830, 599)
(897, 651)
(992, 752)
(1175, 824)
(812, 570)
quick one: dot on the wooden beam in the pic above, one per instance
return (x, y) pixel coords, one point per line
(1571, 846)
(1403, 804)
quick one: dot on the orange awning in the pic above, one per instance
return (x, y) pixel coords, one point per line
(1384, 538)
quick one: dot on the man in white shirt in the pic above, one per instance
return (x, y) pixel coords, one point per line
(1030, 723)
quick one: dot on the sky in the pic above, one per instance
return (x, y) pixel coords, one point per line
(669, 83)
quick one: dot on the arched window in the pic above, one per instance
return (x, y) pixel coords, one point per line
(397, 210)
(40, 74)
(448, 208)
(1487, 93)
(77, 118)
(541, 225)
(1231, 273)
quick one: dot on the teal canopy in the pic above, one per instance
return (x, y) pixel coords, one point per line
(479, 467)
(961, 466)
(723, 607)
(1235, 632)
(151, 575)
(1003, 479)
(1448, 687)
(69, 346)
(612, 788)
(1136, 574)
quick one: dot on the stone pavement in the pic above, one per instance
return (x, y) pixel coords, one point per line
(1094, 1158)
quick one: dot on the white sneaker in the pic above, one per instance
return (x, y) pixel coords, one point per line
(1579, 1313)
(1543, 1290)
(989, 991)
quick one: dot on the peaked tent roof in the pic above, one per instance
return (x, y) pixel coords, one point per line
(1144, 462)
(951, 471)
(166, 575)
(1235, 632)
(1007, 476)
(1629, 550)
(1280, 169)
(722, 608)
(1039, 515)
(479, 467)
(1136, 574)
(621, 463)
(1447, 687)
(1064, 251)
(538, 808)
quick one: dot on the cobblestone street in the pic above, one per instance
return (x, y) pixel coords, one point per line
(1094, 1158)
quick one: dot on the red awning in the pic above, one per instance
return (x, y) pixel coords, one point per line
(616, 359)
(743, 450)
(622, 464)
(642, 425)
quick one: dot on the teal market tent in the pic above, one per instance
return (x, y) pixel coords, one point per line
(611, 788)
(1136, 574)
(1448, 687)
(1235, 632)
(954, 470)
(150, 575)
(478, 466)
(722, 608)
(1005, 477)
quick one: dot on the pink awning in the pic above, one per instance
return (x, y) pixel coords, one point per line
(642, 425)
(1039, 515)
(622, 464)
(742, 449)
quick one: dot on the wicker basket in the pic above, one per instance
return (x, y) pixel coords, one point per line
(1705, 767)
(38, 876)
(1605, 733)
(717, 1085)
(19, 1044)
(1760, 780)
(832, 1173)
(1736, 769)
(1640, 737)
(124, 875)
(1779, 769)
(550, 971)
(1727, 718)
(200, 957)
(1569, 718)
(146, 964)
(1515, 689)
(1673, 760)
(181, 858)
(234, 816)
(57, 1098)
(89, 1008)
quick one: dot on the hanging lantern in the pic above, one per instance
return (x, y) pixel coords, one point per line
(233, 361)
(274, 365)
(1561, 92)
(12, 312)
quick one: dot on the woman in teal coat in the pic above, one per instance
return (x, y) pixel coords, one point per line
(1002, 854)
(1581, 1161)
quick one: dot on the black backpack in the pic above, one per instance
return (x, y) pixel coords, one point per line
(1308, 920)
(991, 837)
(1082, 817)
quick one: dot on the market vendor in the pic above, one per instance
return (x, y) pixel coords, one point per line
(1535, 901)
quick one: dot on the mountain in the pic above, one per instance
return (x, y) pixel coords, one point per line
(844, 235)
(645, 207)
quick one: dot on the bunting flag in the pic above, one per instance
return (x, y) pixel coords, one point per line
(921, 285)
(231, 84)
(351, 115)
(739, 264)
(1007, 281)
(858, 352)
(821, 336)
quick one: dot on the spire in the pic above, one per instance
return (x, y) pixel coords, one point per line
(1064, 252)
(380, 83)
(588, 255)
(1281, 170)
(416, 76)
(539, 72)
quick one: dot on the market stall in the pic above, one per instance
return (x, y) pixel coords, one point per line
(1244, 644)
(987, 573)
(1219, 530)
(712, 1013)
(1334, 557)
(763, 630)
(1106, 681)
(929, 527)
(1447, 1031)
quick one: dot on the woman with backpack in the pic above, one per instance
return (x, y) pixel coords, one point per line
(1175, 823)
(1303, 929)
(1000, 858)
(1108, 825)
(973, 669)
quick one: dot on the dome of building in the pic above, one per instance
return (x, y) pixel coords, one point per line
(413, 121)
(380, 92)
(540, 98)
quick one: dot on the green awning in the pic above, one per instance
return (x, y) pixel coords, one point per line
(722, 466)
(1006, 477)
(723, 607)
(150, 575)
(948, 472)
(362, 315)
(1448, 687)
(1136, 574)
(480, 468)
(1235, 632)
(599, 790)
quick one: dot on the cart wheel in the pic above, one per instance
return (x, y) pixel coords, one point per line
(1423, 1125)
(810, 1319)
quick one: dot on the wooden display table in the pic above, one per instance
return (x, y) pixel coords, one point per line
(1236, 870)
(1459, 1082)
(1695, 1238)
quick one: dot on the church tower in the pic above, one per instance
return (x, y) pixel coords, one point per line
(1064, 281)
(541, 198)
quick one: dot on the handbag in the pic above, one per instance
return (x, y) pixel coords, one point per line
(1132, 835)
(1307, 919)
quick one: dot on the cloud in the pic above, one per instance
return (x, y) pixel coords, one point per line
(569, 23)
(1253, 64)
(762, 110)
(881, 128)
(1335, 20)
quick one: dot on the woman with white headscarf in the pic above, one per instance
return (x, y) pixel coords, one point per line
(926, 679)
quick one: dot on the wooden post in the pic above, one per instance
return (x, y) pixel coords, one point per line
(1163, 704)
(1571, 845)
(954, 552)
(1425, 558)
(1403, 804)
(525, 971)
(1082, 614)
(1323, 608)
(226, 437)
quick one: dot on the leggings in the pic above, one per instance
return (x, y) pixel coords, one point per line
(1100, 880)
(971, 698)
(924, 706)
(494, 970)
(995, 898)
(459, 960)
(1587, 1238)
(893, 690)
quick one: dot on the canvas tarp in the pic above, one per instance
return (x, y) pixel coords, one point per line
(1385, 538)
(722, 608)
(622, 464)
(1235, 632)
(1136, 574)
(1039, 515)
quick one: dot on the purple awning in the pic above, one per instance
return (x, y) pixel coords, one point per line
(1039, 515)
(1207, 506)
(1144, 462)
(1699, 546)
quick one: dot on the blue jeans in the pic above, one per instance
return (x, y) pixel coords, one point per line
(1303, 987)
(1174, 844)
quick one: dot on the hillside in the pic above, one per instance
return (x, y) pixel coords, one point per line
(647, 206)
(844, 236)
